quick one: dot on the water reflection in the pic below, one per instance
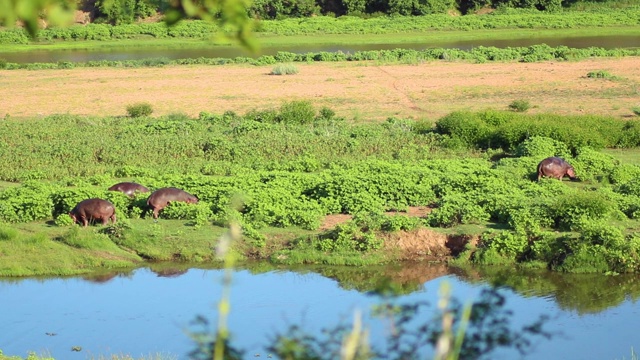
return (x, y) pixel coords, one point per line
(582, 293)
(129, 53)
(144, 311)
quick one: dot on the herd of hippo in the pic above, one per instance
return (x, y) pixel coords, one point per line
(102, 210)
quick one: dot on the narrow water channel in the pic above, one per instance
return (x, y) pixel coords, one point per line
(143, 312)
(128, 53)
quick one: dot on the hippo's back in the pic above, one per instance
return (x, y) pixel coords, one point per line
(128, 188)
(94, 207)
(162, 196)
(553, 163)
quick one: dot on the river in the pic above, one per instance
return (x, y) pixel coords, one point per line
(145, 311)
(132, 53)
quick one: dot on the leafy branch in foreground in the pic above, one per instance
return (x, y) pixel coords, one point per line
(479, 328)
(230, 15)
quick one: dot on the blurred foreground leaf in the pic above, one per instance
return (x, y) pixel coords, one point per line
(230, 15)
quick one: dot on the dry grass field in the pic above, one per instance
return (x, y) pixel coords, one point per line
(358, 91)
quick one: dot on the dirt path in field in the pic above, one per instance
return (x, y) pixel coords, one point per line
(357, 91)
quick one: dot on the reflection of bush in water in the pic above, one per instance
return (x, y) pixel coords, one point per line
(584, 293)
(169, 269)
(106, 276)
(403, 278)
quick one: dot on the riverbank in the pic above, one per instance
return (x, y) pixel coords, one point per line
(399, 189)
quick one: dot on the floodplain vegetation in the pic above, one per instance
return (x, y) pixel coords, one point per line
(279, 172)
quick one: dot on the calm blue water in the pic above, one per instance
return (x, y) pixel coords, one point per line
(142, 313)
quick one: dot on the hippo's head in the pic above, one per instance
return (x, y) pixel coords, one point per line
(571, 173)
(192, 199)
(73, 217)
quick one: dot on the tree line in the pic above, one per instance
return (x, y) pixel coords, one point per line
(127, 11)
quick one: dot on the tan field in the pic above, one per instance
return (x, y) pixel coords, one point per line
(357, 91)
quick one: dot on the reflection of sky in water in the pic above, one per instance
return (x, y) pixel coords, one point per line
(607, 42)
(145, 314)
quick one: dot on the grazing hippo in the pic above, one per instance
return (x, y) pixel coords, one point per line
(129, 188)
(93, 209)
(555, 167)
(160, 198)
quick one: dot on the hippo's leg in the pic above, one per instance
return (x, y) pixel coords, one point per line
(85, 222)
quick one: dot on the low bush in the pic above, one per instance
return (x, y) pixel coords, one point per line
(570, 210)
(296, 112)
(541, 147)
(601, 74)
(507, 130)
(520, 105)
(284, 69)
(139, 109)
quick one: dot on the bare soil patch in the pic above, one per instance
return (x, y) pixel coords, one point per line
(357, 91)
(416, 245)
(427, 244)
(330, 221)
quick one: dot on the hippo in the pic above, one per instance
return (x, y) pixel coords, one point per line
(160, 198)
(555, 167)
(128, 188)
(93, 209)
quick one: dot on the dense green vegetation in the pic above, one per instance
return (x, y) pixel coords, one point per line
(343, 25)
(126, 11)
(293, 165)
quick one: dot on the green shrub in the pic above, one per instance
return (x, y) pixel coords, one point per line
(529, 219)
(630, 136)
(629, 187)
(286, 57)
(602, 248)
(467, 127)
(590, 164)
(139, 109)
(571, 209)
(585, 259)
(547, 247)
(636, 110)
(600, 74)
(509, 244)
(506, 130)
(297, 112)
(456, 209)
(63, 220)
(541, 147)
(349, 237)
(624, 173)
(199, 214)
(284, 69)
(400, 222)
(520, 105)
